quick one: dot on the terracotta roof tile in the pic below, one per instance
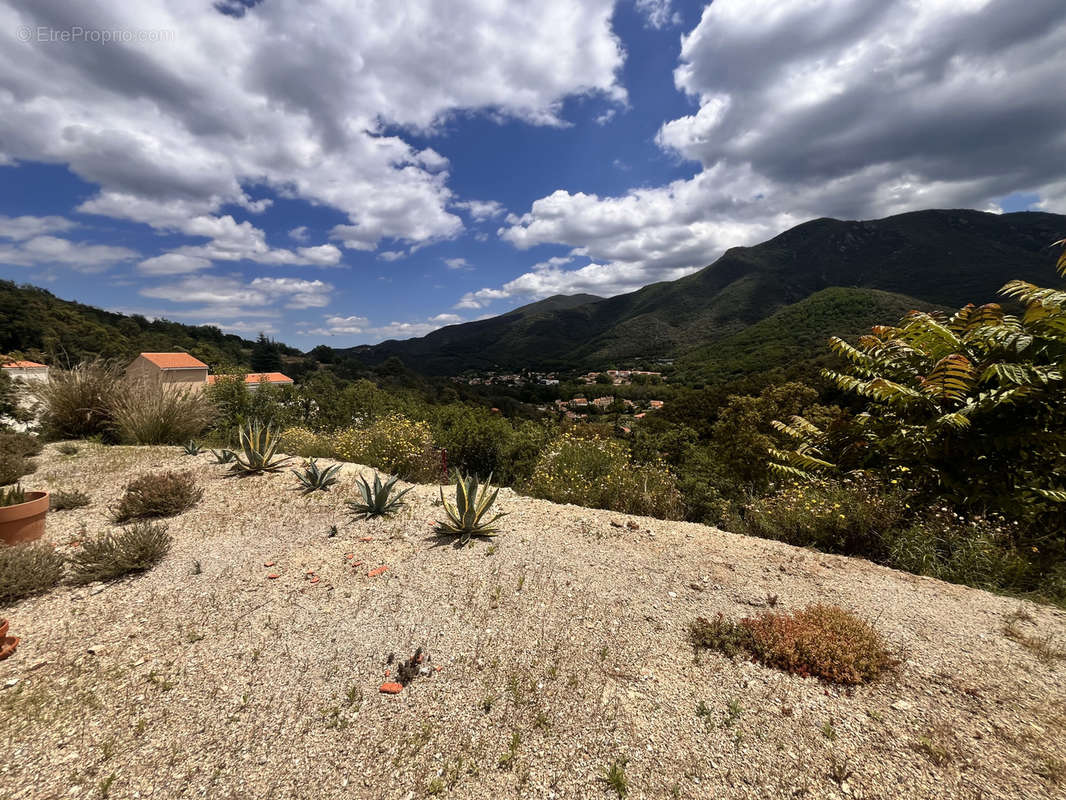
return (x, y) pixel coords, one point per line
(258, 377)
(21, 365)
(174, 361)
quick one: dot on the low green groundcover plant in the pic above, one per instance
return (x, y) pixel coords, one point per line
(64, 500)
(136, 548)
(159, 494)
(27, 570)
(820, 641)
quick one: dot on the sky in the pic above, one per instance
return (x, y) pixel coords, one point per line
(348, 171)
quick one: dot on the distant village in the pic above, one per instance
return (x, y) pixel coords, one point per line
(578, 407)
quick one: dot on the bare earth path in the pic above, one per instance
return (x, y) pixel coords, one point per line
(557, 649)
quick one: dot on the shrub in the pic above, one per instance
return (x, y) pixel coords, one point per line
(977, 552)
(467, 516)
(27, 570)
(21, 444)
(13, 467)
(136, 548)
(76, 403)
(62, 501)
(160, 494)
(153, 412)
(598, 473)
(377, 498)
(67, 449)
(392, 443)
(820, 641)
(970, 405)
(477, 441)
(852, 517)
(306, 443)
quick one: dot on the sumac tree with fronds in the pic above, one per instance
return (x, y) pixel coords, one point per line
(968, 408)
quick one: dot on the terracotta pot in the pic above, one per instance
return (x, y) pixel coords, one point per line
(3, 628)
(8, 645)
(24, 522)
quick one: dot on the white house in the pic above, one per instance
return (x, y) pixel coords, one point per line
(26, 370)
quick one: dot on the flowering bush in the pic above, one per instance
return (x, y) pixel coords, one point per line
(852, 517)
(305, 442)
(599, 474)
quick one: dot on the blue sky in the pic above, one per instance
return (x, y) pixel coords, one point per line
(346, 172)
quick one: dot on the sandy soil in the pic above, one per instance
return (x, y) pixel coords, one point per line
(557, 649)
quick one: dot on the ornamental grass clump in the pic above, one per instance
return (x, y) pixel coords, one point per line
(153, 412)
(77, 403)
(820, 641)
(466, 517)
(159, 494)
(313, 478)
(27, 570)
(137, 548)
(377, 498)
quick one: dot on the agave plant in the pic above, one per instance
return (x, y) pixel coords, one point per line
(191, 448)
(12, 496)
(378, 499)
(258, 450)
(466, 517)
(223, 456)
(313, 478)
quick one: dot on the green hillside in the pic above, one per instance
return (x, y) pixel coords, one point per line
(45, 328)
(943, 258)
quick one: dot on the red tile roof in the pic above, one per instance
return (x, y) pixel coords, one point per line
(21, 365)
(174, 361)
(258, 377)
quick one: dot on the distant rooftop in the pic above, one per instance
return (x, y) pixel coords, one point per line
(258, 377)
(174, 360)
(22, 365)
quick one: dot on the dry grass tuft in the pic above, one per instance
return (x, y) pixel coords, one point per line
(137, 548)
(159, 494)
(27, 570)
(64, 501)
(152, 412)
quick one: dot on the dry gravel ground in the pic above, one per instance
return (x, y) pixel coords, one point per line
(558, 649)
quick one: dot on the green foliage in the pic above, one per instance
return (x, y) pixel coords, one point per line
(63, 500)
(377, 498)
(67, 449)
(615, 777)
(821, 641)
(21, 444)
(258, 450)
(853, 517)
(158, 494)
(137, 548)
(236, 405)
(13, 466)
(27, 570)
(266, 357)
(392, 443)
(313, 478)
(48, 329)
(77, 403)
(466, 517)
(598, 473)
(154, 412)
(191, 448)
(12, 496)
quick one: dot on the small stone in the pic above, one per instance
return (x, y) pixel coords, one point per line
(10, 682)
(902, 705)
(96, 649)
(672, 594)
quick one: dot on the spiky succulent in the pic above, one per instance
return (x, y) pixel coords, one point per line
(223, 456)
(378, 499)
(191, 448)
(313, 478)
(258, 450)
(466, 516)
(12, 496)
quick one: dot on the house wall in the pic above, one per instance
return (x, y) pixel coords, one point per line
(142, 368)
(27, 373)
